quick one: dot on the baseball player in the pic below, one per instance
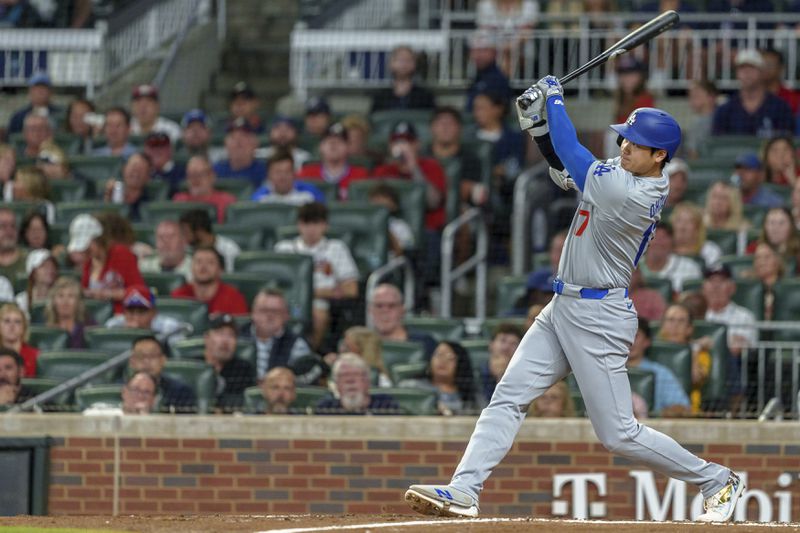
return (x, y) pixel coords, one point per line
(590, 324)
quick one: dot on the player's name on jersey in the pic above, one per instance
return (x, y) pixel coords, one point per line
(650, 503)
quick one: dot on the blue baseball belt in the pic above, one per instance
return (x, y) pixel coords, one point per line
(567, 289)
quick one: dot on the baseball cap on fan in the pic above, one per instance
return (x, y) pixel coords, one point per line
(336, 130)
(157, 139)
(138, 296)
(718, 270)
(144, 91)
(317, 105)
(35, 259)
(243, 90)
(40, 78)
(748, 160)
(82, 230)
(749, 56)
(403, 130)
(194, 115)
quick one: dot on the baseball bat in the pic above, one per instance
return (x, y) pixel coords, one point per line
(652, 29)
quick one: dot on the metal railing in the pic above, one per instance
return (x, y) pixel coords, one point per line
(780, 355)
(326, 59)
(524, 218)
(380, 274)
(477, 262)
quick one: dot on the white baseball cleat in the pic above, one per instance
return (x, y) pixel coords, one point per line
(720, 506)
(441, 500)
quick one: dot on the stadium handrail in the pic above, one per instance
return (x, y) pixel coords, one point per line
(522, 216)
(478, 261)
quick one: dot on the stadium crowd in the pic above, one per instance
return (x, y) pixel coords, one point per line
(188, 239)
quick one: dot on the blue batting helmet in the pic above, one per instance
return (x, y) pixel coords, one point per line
(650, 127)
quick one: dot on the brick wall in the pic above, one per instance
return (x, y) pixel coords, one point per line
(318, 465)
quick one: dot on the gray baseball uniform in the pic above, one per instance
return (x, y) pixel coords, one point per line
(588, 329)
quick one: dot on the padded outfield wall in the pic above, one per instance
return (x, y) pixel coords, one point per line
(302, 464)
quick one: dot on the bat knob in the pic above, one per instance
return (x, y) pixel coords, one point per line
(524, 102)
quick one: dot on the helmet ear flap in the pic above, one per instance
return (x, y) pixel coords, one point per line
(619, 140)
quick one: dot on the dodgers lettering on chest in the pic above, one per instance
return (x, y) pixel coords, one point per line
(602, 168)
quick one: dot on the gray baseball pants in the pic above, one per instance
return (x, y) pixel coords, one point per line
(590, 337)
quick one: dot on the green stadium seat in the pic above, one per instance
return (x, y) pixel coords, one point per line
(478, 350)
(412, 201)
(247, 237)
(59, 233)
(403, 371)
(47, 338)
(662, 285)
(113, 341)
(99, 310)
(737, 263)
(490, 325)
(452, 169)
(786, 307)
(402, 352)
(726, 239)
(254, 402)
(145, 232)
(66, 211)
(369, 225)
(239, 187)
(261, 215)
(509, 290)
(330, 191)
(96, 168)
(39, 385)
(383, 122)
(292, 232)
(190, 373)
(730, 146)
(676, 357)
(20, 208)
(194, 347)
(292, 273)
(155, 212)
(65, 364)
(441, 329)
(70, 190)
(163, 283)
(308, 398)
(643, 383)
(158, 191)
(715, 391)
(413, 402)
(86, 397)
(755, 214)
(189, 311)
(749, 293)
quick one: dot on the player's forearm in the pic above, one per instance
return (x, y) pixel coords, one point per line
(576, 158)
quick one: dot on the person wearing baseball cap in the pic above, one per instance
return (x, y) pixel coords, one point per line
(39, 96)
(233, 375)
(488, 76)
(753, 110)
(196, 135)
(749, 175)
(318, 116)
(42, 270)
(244, 103)
(139, 311)
(158, 147)
(283, 134)
(241, 143)
(334, 166)
(145, 109)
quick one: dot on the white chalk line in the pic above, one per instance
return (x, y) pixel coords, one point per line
(444, 522)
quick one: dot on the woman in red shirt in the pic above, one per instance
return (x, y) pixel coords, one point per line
(14, 334)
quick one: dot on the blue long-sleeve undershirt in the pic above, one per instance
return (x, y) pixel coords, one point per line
(576, 158)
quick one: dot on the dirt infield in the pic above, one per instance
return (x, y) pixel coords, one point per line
(382, 523)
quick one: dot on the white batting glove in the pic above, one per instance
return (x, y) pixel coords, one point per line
(530, 107)
(562, 179)
(549, 85)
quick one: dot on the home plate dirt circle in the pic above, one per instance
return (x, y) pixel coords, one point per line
(348, 523)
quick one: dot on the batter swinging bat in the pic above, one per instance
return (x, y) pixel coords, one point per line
(652, 29)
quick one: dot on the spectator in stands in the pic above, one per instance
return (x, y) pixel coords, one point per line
(753, 110)
(279, 391)
(556, 402)
(769, 268)
(83, 122)
(660, 261)
(37, 128)
(649, 302)
(283, 135)
(488, 76)
(12, 256)
(158, 147)
(780, 160)
(117, 131)
(358, 131)
(450, 375)
(20, 14)
(750, 176)
(233, 375)
(139, 394)
(678, 172)
(405, 92)
(120, 231)
(676, 327)
(42, 271)
(200, 180)
(631, 93)
(350, 373)
(39, 94)
(464, 169)
(139, 311)
(8, 163)
(505, 340)
(367, 344)
(334, 167)
(703, 102)
(244, 104)
(532, 314)
(773, 78)
(407, 163)
(387, 310)
(796, 204)
(12, 369)
(318, 116)
(695, 302)
(508, 153)
(276, 344)
(690, 234)
(145, 109)
(197, 230)
(52, 161)
(779, 232)
(401, 236)
(240, 146)
(109, 267)
(197, 136)
(510, 21)
(66, 310)
(724, 207)
(207, 285)
(136, 174)
(335, 270)
(31, 185)
(171, 254)
(14, 335)
(34, 231)
(669, 399)
(147, 355)
(280, 185)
